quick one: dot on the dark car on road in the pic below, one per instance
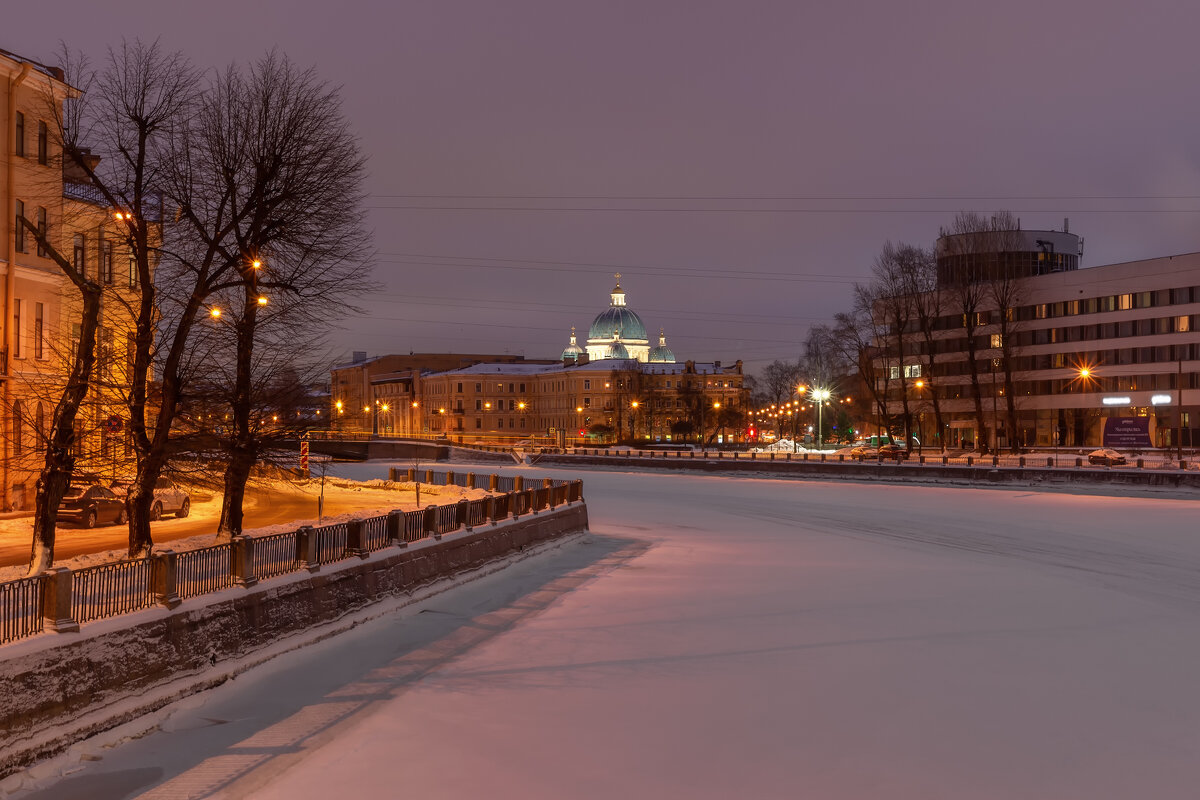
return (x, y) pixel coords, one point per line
(90, 506)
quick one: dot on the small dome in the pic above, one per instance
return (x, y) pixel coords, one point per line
(661, 354)
(617, 350)
(572, 351)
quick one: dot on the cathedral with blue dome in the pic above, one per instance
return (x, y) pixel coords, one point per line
(618, 332)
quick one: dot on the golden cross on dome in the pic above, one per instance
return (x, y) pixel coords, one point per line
(618, 275)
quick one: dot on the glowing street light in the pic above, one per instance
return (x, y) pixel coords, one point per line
(820, 395)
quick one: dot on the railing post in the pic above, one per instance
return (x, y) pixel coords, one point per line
(56, 601)
(519, 483)
(395, 528)
(354, 539)
(995, 461)
(241, 561)
(491, 510)
(306, 549)
(392, 473)
(429, 522)
(162, 576)
(470, 480)
(429, 476)
(493, 482)
(1050, 461)
(412, 475)
(462, 514)
(535, 500)
(970, 461)
(449, 478)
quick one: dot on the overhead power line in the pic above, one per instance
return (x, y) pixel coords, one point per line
(791, 198)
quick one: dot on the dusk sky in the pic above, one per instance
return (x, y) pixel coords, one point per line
(740, 164)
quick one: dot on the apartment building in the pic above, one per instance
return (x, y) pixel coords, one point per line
(1105, 355)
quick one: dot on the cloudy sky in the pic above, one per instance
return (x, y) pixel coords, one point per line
(740, 163)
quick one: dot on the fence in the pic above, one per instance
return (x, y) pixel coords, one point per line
(21, 601)
(61, 598)
(1058, 460)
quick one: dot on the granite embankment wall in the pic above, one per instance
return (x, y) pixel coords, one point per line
(890, 471)
(57, 689)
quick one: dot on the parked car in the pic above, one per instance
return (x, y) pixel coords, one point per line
(893, 452)
(1106, 457)
(856, 453)
(90, 506)
(168, 498)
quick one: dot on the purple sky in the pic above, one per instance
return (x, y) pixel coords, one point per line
(819, 133)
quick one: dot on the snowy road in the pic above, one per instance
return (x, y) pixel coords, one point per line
(740, 638)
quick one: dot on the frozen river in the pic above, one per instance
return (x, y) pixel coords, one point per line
(739, 638)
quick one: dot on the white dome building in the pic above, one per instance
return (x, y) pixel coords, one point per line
(618, 332)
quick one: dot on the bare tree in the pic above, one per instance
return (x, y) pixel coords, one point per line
(268, 180)
(920, 277)
(131, 109)
(59, 463)
(894, 306)
(980, 251)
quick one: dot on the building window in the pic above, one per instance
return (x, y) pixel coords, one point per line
(41, 227)
(997, 341)
(19, 141)
(132, 272)
(39, 439)
(460, 388)
(43, 143)
(479, 387)
(18, 434)
(587, 384)
(478, 405)
(79, 258)
(106, 273)
(20, 227)
(587, 402)
(37, 330)
(478, 423)
(16, 328)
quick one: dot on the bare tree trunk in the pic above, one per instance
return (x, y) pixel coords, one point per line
(243, 445)
(55, 476)
(976, 394)
(56, 472)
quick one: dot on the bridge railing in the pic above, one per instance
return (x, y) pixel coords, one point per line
(61, 599)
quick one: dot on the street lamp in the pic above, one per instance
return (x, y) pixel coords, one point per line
(800, 391)
(820, 395)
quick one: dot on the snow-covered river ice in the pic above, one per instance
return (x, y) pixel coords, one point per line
(718, 637)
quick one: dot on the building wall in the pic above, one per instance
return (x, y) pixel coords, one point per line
(1132, 326)
(30, 280)
(498, 401)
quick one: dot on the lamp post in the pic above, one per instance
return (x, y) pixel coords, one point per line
(820, 395)
(800, 391)
(995, 415)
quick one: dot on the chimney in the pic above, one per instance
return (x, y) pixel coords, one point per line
(359, 356)
(1066, 224)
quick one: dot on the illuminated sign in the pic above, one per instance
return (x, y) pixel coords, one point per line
(1160, 399)
(1116, 401)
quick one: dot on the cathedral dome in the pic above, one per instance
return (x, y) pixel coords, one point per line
(661, 354)
(572, 351)
(618, 318)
